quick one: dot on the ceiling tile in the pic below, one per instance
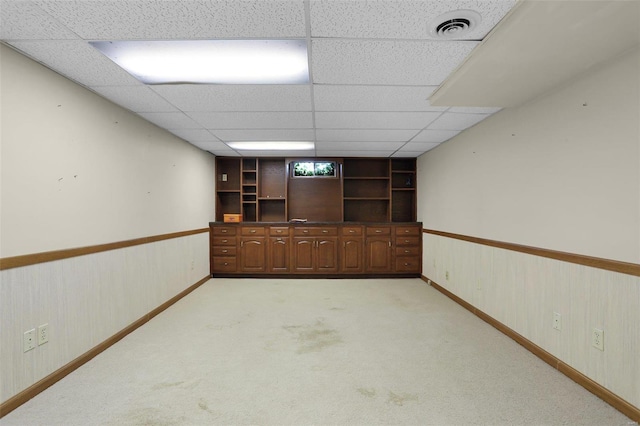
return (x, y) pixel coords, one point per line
(211, 146)
(327, 153)
(195, 136)
(180, 19)
(435, 135)
(78, 61)
(407, 154)
(418, 146)
(135, 98)
(265, 135)
(456, 121)
(384, 62)
(253, 120)
(357, 146)
(406, 19)
(475, 110)
(276, 153)
(200, 97)
(170, 120)
(374, 120)
(373, 98)
(364, 135)
(23, 20)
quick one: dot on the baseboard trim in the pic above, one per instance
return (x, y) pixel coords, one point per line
(595, 388)
(33, 390)
(49, 256)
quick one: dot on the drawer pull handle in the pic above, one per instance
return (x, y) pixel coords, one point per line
(406, 251)
(305, 231)
(406, 231)
(324, 231)
(225, 251)
(226, 264)
(407, 264)
(406, 241)
(378, 231)
(224, 231)
(253, 231)
(351, 231)
(279, 231)
(224, 241)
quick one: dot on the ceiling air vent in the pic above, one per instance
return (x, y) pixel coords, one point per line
(454, 25)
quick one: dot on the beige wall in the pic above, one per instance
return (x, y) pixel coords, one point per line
(78, 170)
(560, 172)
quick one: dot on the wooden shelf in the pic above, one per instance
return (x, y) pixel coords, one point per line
(364, 190)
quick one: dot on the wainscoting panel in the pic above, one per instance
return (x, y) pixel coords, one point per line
(86, 300)
(522, 291)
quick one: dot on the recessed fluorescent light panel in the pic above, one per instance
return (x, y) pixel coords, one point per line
(211, 61)
(271, 145)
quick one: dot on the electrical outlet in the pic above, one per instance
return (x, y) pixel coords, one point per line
(43, 334)
(446, 275)
(557, 321)
(224, 177)
(597, 339)
(193, 265)
(29, 340)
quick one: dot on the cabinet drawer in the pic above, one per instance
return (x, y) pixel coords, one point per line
(408, 264)
(224, 230)
(407, 241)
(351, 230)
(407, 230)
(224, 241)
(279, 230)
(318, 232)
(224, 251)
(253, 230)
(407, 251)
(224, 264)
(378, 230)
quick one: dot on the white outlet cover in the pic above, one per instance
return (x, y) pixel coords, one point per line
(43, 334)
(598, 339)
(29, 340)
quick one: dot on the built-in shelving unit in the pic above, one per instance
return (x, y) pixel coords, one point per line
(403, 190)
(249, 189)
(365, 190)
(272, 197)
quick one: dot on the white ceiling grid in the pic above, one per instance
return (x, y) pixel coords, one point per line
(373, 64)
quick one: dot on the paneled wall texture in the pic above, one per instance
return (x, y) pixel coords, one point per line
(79, 171)
(560, 172)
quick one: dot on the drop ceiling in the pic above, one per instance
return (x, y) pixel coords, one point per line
(373, 67)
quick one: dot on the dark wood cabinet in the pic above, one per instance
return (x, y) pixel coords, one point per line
(348, 249)
(378, 250)
(253, 249)
(278, 251)
(408, 243)
(352, 248)
(315, 249)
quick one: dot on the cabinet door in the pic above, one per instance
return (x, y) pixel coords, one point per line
(352, 259)
(378, 254)
(253, 254)
(327, 254)
(278, 254)
(303, 254)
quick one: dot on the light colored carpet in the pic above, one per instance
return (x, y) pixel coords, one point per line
(315, 352)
